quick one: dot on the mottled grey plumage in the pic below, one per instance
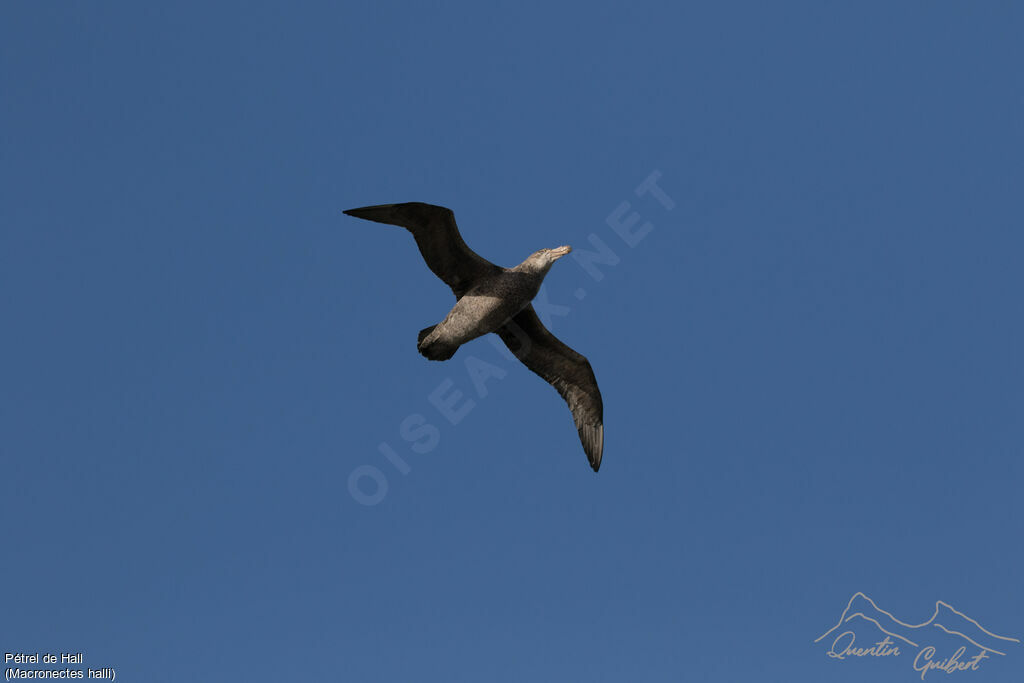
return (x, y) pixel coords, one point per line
(494, 299)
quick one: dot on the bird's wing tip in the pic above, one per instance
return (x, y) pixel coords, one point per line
(593, 444)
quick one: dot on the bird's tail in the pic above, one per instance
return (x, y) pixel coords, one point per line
(434, 349)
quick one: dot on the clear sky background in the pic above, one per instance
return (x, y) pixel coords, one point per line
(811, 364)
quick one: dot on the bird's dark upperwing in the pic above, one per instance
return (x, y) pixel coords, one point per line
(565, 370)
(439, 241)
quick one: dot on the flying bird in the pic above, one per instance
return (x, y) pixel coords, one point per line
(490, 298)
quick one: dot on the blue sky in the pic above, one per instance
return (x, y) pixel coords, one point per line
(810, 364)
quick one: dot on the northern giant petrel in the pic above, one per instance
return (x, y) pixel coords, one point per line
(490, 298)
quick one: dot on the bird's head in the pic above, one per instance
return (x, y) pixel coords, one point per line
(543, 258)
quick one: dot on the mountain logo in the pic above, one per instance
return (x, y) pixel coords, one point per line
(950, 641)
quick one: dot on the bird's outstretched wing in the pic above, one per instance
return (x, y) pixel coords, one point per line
(439, 241)
(564, 369)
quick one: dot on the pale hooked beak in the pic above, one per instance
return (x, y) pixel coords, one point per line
(559, 252)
